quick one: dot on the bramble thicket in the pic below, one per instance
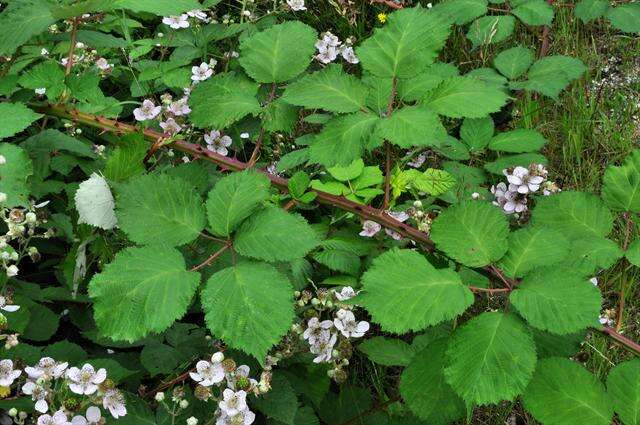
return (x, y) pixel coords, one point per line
(323, 212)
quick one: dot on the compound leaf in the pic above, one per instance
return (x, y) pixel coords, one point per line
(459, 97)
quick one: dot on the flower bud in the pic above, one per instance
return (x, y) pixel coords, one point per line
(159, 396)
(12, 270)
(30, 217)
(417, 204)
(13, 412)
(192, 421)
(184, 404)
(217, 357)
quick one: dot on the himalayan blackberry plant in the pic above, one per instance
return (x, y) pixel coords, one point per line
(234, 212)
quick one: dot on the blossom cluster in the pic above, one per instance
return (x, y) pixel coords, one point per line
(329, 340)
(296, 5)
(11, 340)
(232, 407)
(522, 184)
(182, 21)
(52, 404)
(330, 47)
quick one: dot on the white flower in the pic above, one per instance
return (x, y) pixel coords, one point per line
(208, 373)
(417, 163)
(330, 40)
(85, 380)
(198, 14)
(114, 402)
(327, 54)
(170, 126)
(103, 64)
(40, 91)
(521, 181)
(605, 321)
(179, 107)
(192, 421)
(349, 55)
(12, 270)
(346, 323)
(7, 307)
(58, 418)
(159, 396)
(93, 416)
(243, 418)
(370, 228)
(393, 234)
(233, 402)
(7, 373)
(38, 394)
(177, 22)
(201, 73)
(514, 203)
(46, 368)
(296, 5)
(400, 216)
(317, 330)
(323, 349)
(217, 143)
(147, 111)
(346, 293)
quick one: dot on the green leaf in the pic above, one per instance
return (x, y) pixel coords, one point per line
(434, 182)
(14, 173)
(533, 247)
(406, 44)
(564, 393)
(476, 133)
(222, 100)
(20, 21)
(491, 29)
(249, 306)
(625, 17)
(553, 345)
(491, 358)
(439, 405)
(272, 234)
(574, 214)
(339, 260)
(234, 198)
(516, 141)
(414, 88)
(514, 62)
(387, 351)
(159, 209)
(298, 184)
(590, 10)
(462, 11)
(347, 172)
(534, 12)
(159, 7)
(623, 384)
(550, 75)
(588, 254)
(633, 253)
(48, 75)
(343, 139)
(473, 233)
(403, 280)
(280, 116)
(127, 159)
(278, 53)
(15, 117)
(330, 89)
(412, 126)
(280, 403)
(459, 97)
(621, 185)
(523, 159)
(557, 300)
(142, 291)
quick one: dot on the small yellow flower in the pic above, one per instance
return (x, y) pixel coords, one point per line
(4, 391)
(382, 17)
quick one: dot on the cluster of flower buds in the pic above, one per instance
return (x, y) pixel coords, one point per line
(49, 382)
(10, 340)
(330, 339)
(522, 183)
(22, 226)
(221, 372)
(330, 46)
